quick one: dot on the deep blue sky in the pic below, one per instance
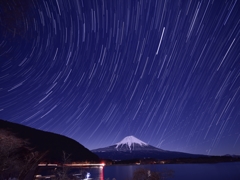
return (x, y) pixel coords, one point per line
(165, 71)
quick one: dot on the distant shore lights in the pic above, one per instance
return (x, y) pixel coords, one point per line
(101, 165)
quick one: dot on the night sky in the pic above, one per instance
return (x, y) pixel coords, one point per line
(164, 71)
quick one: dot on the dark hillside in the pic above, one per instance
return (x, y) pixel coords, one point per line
(54, 144)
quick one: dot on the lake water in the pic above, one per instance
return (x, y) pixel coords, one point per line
(218, 171)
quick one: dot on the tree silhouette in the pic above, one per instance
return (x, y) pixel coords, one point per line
(14, 17)
(16, 158)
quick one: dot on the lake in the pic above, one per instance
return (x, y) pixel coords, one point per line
(217, 171)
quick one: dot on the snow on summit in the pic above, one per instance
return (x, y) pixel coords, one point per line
(131, 140)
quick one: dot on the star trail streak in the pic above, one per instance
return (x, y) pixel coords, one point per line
(165, 71)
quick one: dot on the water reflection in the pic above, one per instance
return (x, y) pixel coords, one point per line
(82, 173)
(101, 174)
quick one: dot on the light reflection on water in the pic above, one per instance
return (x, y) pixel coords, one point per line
(101, 172)
(96, 173)
(52, 173)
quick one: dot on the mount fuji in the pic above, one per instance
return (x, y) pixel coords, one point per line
(131, 148)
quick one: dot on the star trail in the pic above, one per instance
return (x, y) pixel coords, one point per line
(165, 71)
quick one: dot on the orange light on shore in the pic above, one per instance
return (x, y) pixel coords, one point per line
(102, 165)
(84, 164)
(74, 165)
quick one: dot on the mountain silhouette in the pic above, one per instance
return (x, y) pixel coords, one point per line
(53, 144)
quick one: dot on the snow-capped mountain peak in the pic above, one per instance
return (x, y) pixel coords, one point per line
(130, 141)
